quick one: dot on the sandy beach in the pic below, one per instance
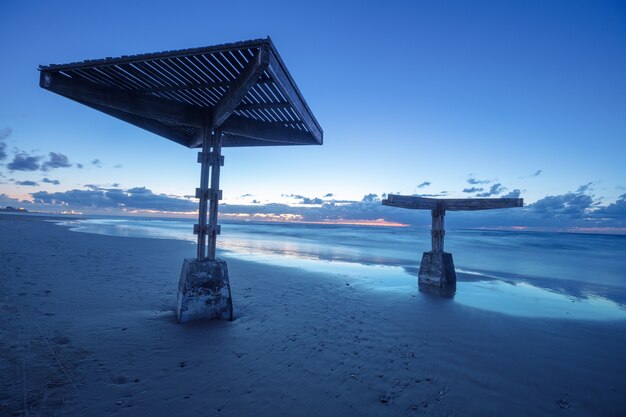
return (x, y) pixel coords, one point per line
(88, 329)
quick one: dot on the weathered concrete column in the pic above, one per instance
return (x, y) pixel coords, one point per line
(204, 287)
(437, 267)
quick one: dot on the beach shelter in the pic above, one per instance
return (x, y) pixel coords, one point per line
(231, 95)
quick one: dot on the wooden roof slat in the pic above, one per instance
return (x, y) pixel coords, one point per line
(156, 73)
(210, 70)
(148, 75)
(185, 72)
(228, 64)
(270, 94)
(201, 64)
(276, 91)
(181, 94)
(111, 79)
(85, 77)
(229, 69)
(141, 82)
(237, 59)
(216, 68)
(100, 78)
(164, 66)
(264, 96)
(121, 78)
(260, 106)
(285, 114)
(192, 65)
(258, 115)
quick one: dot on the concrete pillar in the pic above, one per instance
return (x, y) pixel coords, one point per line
(204, 291)
(437, 267)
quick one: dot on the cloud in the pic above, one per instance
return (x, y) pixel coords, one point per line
(315, 200)
(4, 133)
(24, 162)
(139, 198)
(56, 160)
(117, 166)
(584, 188)
(537, 173)
(473, 181)
(5, 200)
(27, 183)
(292, 196)
(614, 212)
(97, 162)
(79, 166)
(370, 198)
(49, 181)
(494, 190)
(513, 194)
(569, 206)
(473, 190)
(303, 199)
(424, 184)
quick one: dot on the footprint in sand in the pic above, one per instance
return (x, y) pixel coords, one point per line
(564, 404)
(120, 380)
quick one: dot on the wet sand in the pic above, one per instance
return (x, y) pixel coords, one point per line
(88, 329)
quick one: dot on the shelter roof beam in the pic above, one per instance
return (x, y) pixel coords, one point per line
(125, 101)
(240, 86)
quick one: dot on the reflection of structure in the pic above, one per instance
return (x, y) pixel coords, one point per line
(238, 94)
(437, 267)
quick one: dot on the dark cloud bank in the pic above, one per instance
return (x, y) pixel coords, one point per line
(573, 209)
(22, 161)
(139, 198)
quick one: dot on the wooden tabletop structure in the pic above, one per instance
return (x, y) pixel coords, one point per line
(231, 95)
(439, 206)
(437, 267)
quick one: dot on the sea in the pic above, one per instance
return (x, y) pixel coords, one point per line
(521, 273)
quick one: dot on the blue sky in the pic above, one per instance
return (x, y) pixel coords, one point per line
(449, 98)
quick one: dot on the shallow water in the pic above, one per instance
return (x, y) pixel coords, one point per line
(531, 274)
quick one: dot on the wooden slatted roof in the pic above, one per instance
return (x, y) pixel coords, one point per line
(244, 88)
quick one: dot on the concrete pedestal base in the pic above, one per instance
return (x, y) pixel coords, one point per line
(204, 291)
(437, 269)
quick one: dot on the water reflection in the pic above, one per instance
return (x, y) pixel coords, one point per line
(551, 279)
(441, 292)
(523, 299)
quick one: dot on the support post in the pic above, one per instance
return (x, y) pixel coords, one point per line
(217, 161)
(437, 266)
(202, 193)
(204, 287)
(437, 232)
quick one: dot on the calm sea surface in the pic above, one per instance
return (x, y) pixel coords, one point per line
(534, 274)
